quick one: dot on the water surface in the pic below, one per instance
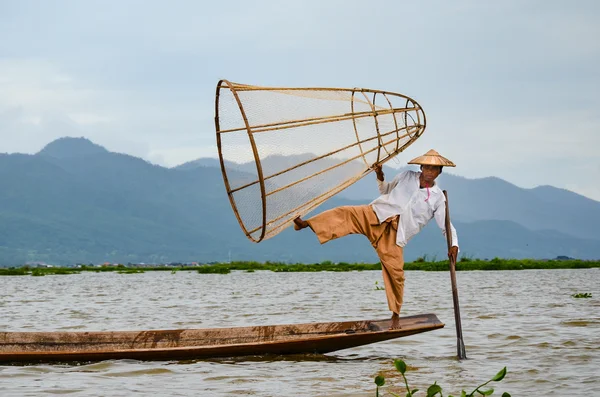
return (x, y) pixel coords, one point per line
(525, 320)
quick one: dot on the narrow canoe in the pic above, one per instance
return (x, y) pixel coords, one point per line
(27, 347)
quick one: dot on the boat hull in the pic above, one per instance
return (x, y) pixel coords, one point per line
(183, 344)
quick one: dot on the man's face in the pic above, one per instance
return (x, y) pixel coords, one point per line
(430, 172)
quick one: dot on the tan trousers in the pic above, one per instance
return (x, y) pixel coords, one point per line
(361, 219)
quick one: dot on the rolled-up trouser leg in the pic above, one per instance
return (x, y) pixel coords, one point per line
(342, 221)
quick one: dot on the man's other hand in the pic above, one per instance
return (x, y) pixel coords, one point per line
(453, 253)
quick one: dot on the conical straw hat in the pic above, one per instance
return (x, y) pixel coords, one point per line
(432, 158)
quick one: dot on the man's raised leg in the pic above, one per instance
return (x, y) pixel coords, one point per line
(339, 222)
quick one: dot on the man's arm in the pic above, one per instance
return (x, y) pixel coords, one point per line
(440, 218)
(384, 187)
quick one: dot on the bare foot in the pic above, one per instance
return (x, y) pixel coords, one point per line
(395, 321)
(299, 224)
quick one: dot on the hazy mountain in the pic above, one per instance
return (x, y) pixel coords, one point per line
(76, 202)
(541, 208)
(72, 147)
(208, 162)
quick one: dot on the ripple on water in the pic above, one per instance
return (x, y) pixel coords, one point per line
(543, 345)
(97, 367)
(72, 327)
(579, 323)
(140, 372)
(62, 391)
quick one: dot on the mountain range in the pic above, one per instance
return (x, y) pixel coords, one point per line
(76, 202)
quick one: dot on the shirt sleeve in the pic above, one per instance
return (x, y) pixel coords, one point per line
(386, 187)
(440, 218)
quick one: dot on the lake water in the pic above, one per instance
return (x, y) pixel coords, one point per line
(525, 320)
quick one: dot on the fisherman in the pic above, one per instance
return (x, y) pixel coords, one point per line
(405, 206)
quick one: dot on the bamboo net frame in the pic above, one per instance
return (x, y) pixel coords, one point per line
(332, 138)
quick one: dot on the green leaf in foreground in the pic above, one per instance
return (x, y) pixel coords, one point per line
(433, 390)
(400, 366)
(500, 375)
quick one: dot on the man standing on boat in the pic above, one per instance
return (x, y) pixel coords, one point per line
(405, 206)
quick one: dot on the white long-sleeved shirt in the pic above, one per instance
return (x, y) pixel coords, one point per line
(403, 196)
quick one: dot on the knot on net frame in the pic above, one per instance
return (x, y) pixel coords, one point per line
(284, 151)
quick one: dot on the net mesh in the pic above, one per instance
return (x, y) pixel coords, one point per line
(284, 151)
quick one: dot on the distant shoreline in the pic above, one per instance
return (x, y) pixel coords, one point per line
(224, 268)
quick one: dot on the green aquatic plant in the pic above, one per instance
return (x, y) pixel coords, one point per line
(582, 295)
(37, 273)
(18, 271)
(436, 389)
(214, 269)
(130, 271)
(377, 287)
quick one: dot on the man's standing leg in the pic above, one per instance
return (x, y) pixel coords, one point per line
(392, 268)
(341, 221)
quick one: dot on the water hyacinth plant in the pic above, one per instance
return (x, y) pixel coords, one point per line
(435, 389)
(582, 295)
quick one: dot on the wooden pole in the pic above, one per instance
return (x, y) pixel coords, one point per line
(460, 344)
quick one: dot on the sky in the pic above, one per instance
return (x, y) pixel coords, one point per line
(510, 88)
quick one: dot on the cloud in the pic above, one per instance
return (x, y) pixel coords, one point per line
(509, 88)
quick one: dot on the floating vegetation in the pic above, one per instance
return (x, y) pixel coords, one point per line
(19, 271)
(214, 269)
(377, 287)
(503, 264)
(421, 264)
(37, 273)
(582, 295)
(130, 271)
(435, 389)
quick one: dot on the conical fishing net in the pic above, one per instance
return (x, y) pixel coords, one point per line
(284, 151)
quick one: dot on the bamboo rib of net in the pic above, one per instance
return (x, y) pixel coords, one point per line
(284, 151)
(315, 159)
(328, 194)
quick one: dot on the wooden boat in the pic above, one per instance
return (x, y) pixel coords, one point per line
(27, 347)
